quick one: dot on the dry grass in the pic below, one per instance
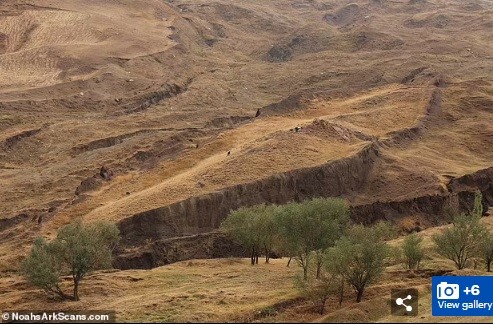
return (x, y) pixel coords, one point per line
(226, 290)
(191, 291)
(71, 38)
(356, 86)
(74, 69)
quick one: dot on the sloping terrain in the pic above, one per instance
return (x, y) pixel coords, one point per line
(193, 107)
(231, 290)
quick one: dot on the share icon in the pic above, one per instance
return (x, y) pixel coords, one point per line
(400, 302)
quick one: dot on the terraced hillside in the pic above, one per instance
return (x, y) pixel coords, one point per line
(392, 100)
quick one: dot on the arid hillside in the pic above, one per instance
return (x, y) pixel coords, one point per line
(231, 290)
(163, 116)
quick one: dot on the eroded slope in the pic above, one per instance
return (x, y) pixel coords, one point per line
(159, 93)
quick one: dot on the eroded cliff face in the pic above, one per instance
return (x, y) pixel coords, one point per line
(482, 180)
(187, 229)
(432, 207)
(161, 252)
(205, 213)
(458, 198)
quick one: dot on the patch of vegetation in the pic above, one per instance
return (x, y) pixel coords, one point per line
(413, 252)
(464, 240)
(359, 257)
(254, 228)
(300, 230)
(77, 250)
(316, 233)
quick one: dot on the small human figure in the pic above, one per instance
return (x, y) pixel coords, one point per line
(229, 152)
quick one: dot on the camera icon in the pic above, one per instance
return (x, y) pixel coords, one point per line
(447, 291)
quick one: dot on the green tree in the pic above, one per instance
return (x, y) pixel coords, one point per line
(309, 228)
(486, 250)
(287, 244)
(359, 257)
(42, 269)
(267, 228)
(255, 228)
(240, 225)
(413, 251)
(463, 240)
(332, 216)
(477, 210)
(77, 250)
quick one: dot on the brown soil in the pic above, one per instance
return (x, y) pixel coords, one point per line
(394, 100)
